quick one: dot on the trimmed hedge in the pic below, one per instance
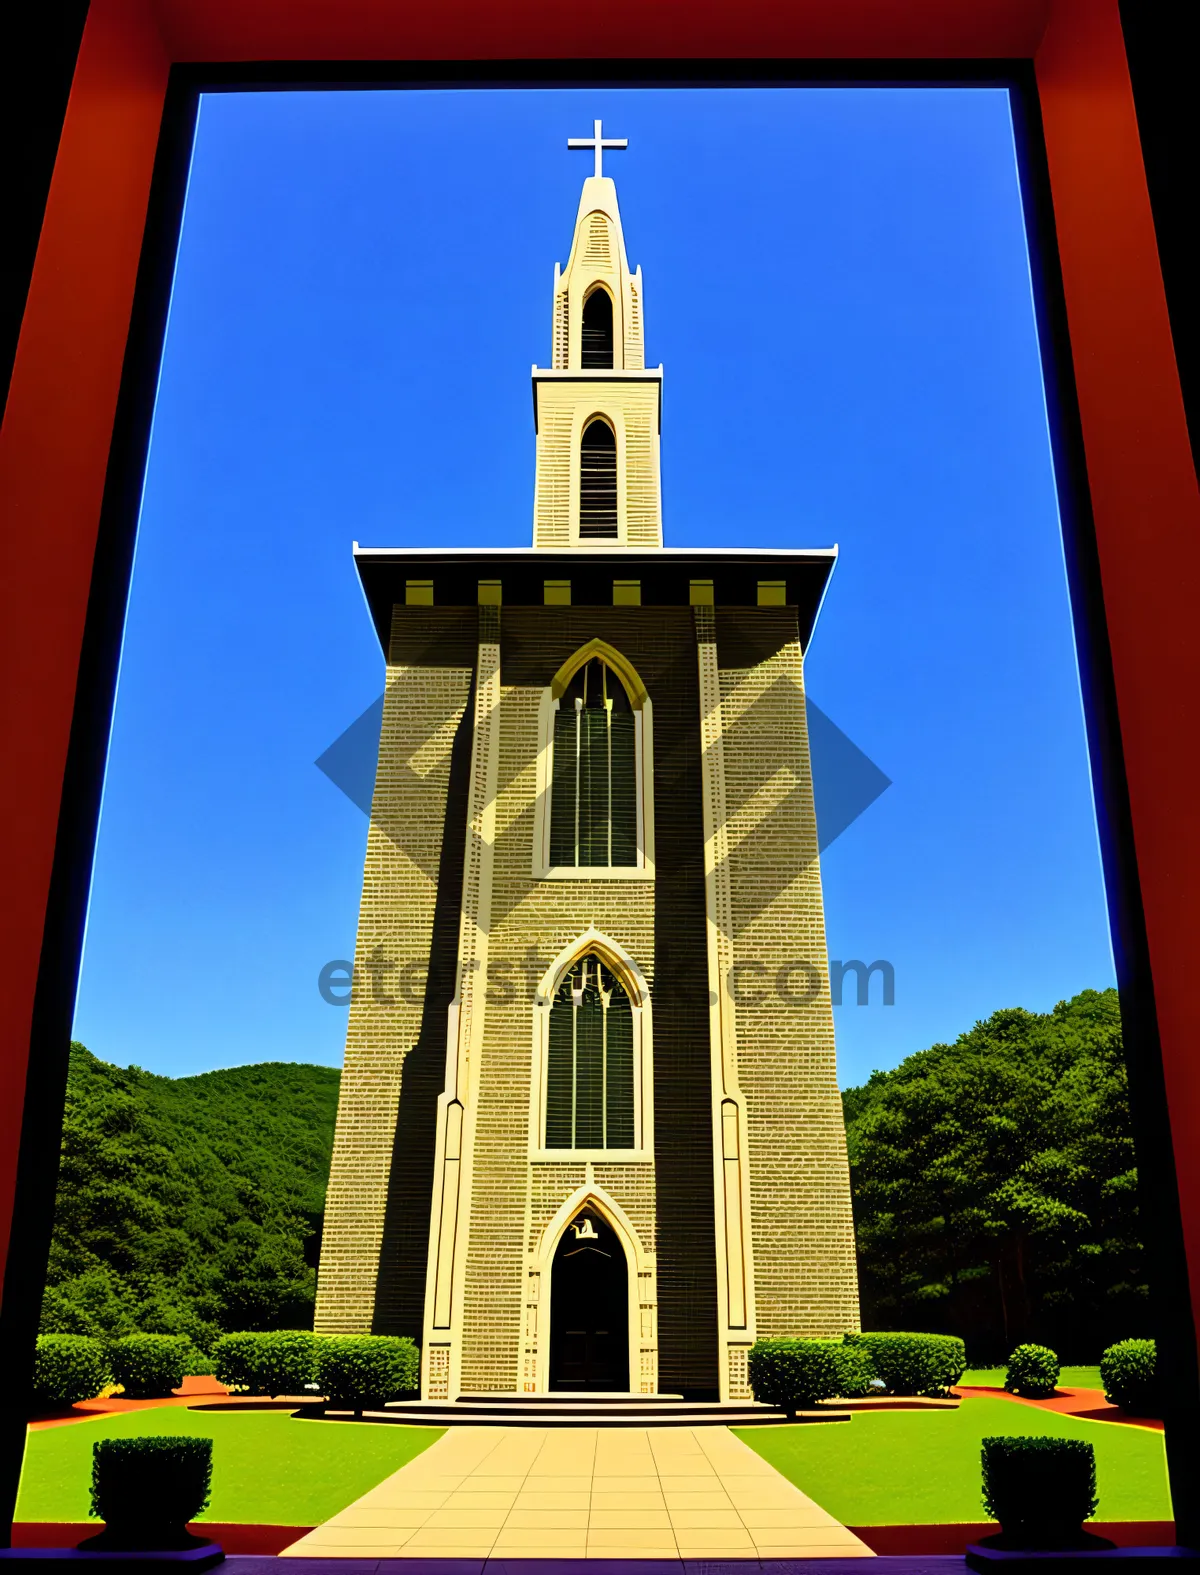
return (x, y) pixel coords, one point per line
(795, 1374)
(276, 1362)
(914, 1364)
(856, 1372)
(1032, 1372)
(1040, 1489)
(1128, 1371)
(364, 1371)
(150, 1365)
(237, 1362)
(67, 1368)
(145, 1482)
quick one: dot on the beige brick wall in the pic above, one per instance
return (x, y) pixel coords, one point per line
(802, 1235)
(802, 1228)
(561, 406)
(428, 684)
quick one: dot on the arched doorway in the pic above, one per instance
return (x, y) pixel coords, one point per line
(589, 1308)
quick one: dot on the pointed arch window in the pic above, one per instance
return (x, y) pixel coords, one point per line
(594, 786)
(596, 344)
(590, 1060)
(598, 482)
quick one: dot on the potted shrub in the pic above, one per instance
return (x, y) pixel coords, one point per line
(1128, 1373)
(1032, 1372)
(362, 1372)
(1041, 1490)
(794, 1374)
(146, 1490)
(67, 1368)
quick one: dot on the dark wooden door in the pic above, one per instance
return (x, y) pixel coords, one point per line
(589, 1309)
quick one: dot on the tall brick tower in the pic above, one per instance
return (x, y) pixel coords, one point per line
(589, 1135)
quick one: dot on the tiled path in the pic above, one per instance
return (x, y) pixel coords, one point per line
(603, 1493)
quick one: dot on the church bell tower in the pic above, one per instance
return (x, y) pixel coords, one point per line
(598, 409)
(589, 1134)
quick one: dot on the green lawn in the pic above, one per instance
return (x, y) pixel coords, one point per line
(268, 1469)
(881, 1468)
(1069, 1377)
(889, 1468)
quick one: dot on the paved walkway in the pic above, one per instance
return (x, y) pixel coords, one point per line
(601, 1493)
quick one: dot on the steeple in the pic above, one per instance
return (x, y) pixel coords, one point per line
(597, 408)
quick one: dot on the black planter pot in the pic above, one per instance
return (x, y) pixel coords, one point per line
(140, 1537)
(1045, 1538)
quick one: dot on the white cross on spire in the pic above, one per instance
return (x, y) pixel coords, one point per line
(597, 142)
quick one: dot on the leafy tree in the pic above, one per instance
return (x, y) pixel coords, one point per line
(189, 1205)
(995, 1194)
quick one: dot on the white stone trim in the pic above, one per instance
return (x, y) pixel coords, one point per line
(731, 1162)
(449, 1222)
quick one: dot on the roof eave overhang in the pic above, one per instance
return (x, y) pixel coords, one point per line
(666, 575)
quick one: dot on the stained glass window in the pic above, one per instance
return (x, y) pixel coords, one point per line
(593, 795)
(589, 1075)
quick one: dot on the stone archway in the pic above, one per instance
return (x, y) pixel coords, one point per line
(640, 1323)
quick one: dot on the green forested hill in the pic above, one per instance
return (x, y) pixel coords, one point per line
(189, 1204)
(995, 1194)
(994, 1187)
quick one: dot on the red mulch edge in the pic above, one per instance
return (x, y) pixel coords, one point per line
(189, 1391)
(198, 1394)
(925, 1540)
(232, 1537)
(1089, 1405)
(256, 1403)
(896, 1540)
(892, 1403)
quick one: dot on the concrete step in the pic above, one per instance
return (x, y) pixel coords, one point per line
(594, 1397)
(578, 1411)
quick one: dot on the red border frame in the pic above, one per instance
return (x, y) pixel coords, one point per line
(58, 424)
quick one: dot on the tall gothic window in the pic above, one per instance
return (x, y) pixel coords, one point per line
(596, 346)
(593, 794)
(589, 1070)
(598, 481)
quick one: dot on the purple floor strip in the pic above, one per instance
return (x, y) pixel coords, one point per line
(933, 1564)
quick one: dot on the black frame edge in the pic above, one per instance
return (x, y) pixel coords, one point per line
(83, 779)
(1160, 1216)
(33, 111)
(70, 881)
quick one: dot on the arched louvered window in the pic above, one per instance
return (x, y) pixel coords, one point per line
(598, 482)
(589, 1068)
(593, 795)
(596, 345)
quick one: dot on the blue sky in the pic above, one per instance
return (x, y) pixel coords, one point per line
(837, 284)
